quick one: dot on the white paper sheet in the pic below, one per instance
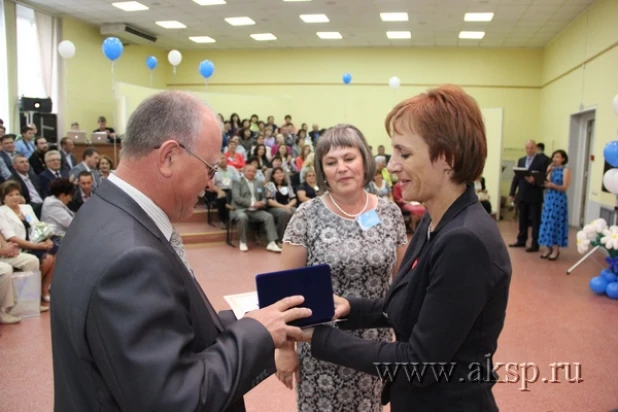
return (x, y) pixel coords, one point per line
(242, 303)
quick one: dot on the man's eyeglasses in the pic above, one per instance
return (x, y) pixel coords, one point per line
(211, 169)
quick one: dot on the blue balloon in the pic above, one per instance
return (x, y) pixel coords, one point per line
(207, 68)
(612, 290)
(611, 153)
(151, 62)
(112, 48)
(608, 275)
(598, 285)
(347, 78)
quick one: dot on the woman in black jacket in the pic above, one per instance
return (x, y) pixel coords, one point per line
(447, 304)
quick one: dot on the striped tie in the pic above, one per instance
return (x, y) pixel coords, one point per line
(176, 243)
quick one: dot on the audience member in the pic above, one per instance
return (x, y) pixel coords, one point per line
(309, 188)
(106, 166)
(222, 186)
(55, 211)
(249, 205)
(90, 161)
(25, 146)
(29, 183)
(53, 161)
(37, 159)
(66, 151)
(83, 191)
(233, 158)
(481, 193)
(281, 200)
(7, 154)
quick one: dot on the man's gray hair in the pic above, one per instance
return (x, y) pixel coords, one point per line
(168, 115)
(17, 157)
(52, 153)
(343, 135)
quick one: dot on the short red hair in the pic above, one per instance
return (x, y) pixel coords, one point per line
(450, 122)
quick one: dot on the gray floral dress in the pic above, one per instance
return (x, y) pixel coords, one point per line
(361, 264)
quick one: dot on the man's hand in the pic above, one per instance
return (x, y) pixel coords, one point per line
(13, 249)
(259, 205)
(529, 179)
(276, 317)
(342, 307)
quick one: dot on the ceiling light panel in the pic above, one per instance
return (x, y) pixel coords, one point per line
(398, 34)
(329, 35)
(476, 35)
(478, 17)
(239, 21)
(171, 24)
(394, 16)
(263, 37)
(209, 2)
(202, 39)
(130, 6)
(314, 18)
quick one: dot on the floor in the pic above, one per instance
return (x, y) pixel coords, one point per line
(551, 317)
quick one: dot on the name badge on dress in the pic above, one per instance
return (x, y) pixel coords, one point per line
(368, 220)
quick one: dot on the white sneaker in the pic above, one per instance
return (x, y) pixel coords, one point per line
(243, 247)
(8, 319)
(272, 247)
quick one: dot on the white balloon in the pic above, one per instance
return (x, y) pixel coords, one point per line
(615, 103)
(610, 180)
(394, 82)
(66, 48)
(174, 57)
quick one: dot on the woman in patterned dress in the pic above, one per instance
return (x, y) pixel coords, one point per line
(554, 232)
(363, 258)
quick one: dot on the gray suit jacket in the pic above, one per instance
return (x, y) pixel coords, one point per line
(241, 194)
(96, 176)
(131, 328)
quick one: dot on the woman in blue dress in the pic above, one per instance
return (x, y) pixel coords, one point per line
(554, 231)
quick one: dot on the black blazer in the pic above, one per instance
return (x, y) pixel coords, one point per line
(24, 189)
(447, 304)
(529, 192)
(46, 178)
(132, 329)
(37, 162)
(65, 165)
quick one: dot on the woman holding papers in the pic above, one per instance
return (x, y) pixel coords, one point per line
(363, 239)
(447, 303)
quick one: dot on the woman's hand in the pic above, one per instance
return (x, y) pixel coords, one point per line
(286, 361)
(342, 307)
(47, 245)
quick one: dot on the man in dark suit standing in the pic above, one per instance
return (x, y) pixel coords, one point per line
(131, 328)
(529, 197)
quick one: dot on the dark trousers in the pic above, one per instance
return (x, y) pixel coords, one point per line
(529, 214)
(222, 210)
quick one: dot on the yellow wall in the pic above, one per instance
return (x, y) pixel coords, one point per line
(311, 79)
(590, 40)
(89, 80)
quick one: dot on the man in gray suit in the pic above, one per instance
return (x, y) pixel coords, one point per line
(249, 203)
(131, 328)
(90, 160)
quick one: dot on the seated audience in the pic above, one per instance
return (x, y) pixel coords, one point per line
(415, 209)
(259, 175)
(82, 192)
(481, 193)
(25, 146)
(308, 163)
(281, 200)
(277, 162)
(300, 160)
(380, 187)
(37, 159)
(66, 151)
(55, 211)
(309, 188)
(111, 133)
(53, 161)
(90, 161)
(222, 186)
(262, 156)
(7, 154)
(246, 139)
(249, 204)
(11, 257)
(29, 183)
(106, 165)
(234, 158)
(269, 139)
(16, 221)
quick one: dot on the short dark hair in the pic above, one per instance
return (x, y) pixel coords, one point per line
(564, 155)
(61, 186)
(84, 173)
(26, 129)
(272, 174)
(287, 116)
(6, 137)
(8, 187)
(101, 119)
(253, 159)
(88, 153)
(540, 146)
(36, 140)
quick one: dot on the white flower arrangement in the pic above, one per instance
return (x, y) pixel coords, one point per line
(597, 233)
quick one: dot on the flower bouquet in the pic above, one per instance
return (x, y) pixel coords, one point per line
(598, 235)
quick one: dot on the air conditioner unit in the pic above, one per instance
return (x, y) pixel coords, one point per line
(128, 34)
